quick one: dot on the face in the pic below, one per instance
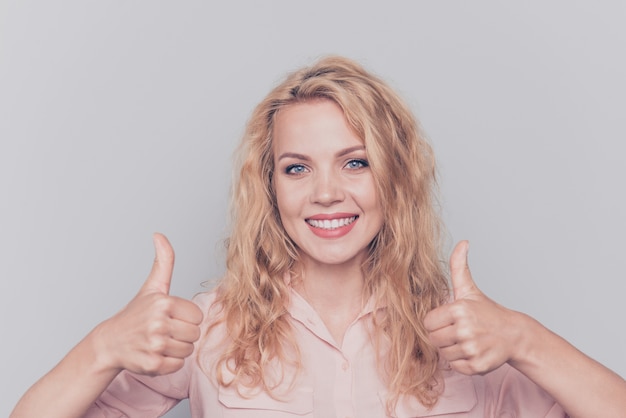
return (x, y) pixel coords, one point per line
(324, 187)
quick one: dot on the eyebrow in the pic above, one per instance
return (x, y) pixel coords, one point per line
(293, 155)
(306, 158)
(351, 149)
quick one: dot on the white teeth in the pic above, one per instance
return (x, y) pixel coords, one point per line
(331, 224)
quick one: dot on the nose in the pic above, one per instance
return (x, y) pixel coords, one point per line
(327, 188)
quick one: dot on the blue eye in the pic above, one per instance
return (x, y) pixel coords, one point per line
(295, 169)
(356, 164)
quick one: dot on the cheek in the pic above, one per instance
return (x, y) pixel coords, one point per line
(367, 194)
(285, 200)
(371, 203)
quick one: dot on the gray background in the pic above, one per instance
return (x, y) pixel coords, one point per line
(119, 118)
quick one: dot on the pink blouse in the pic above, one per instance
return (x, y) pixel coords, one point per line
(340, 382)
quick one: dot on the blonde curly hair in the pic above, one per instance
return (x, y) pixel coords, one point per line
(403, 272)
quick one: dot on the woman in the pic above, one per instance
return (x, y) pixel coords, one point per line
(334, 301)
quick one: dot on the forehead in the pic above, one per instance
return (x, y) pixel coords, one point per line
(318, 123)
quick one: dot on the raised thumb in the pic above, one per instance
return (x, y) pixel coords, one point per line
(161, 274)
(460, 275)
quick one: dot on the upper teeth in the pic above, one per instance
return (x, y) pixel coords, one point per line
(331, 223)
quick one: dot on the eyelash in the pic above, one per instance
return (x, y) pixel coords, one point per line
(361, 164)
(290, 167)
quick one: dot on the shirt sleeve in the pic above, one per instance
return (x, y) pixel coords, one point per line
(515, 395)
(131, 395)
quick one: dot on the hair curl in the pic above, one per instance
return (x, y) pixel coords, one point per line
(403, 271)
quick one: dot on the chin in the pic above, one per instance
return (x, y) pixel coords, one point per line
(338, 260)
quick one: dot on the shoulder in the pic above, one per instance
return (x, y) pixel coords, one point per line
(209, 304)
(205, 300)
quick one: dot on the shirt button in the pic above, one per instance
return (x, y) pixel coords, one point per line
(345, 366)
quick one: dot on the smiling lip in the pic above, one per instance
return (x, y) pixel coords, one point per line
(333, 225)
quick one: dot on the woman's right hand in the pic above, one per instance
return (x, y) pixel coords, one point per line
(152, 335)
(155, 332)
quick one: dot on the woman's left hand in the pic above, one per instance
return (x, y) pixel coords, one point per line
(473, 333)
(476, 335)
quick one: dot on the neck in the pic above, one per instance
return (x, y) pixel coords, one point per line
(334, 287)
(336, 292)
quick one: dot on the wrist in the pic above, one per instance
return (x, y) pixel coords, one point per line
(528, 334)
(102, 351)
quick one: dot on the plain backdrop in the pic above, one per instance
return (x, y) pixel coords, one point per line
(119, 118)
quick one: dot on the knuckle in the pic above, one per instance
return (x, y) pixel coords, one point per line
(478, 366)
(465, 333)
(471, 369)
(153, 365)
(470, 348)
(158, 327)
(164, 304)
(157, 345)
(459, 309)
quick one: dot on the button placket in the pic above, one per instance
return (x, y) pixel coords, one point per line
(343, 387)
